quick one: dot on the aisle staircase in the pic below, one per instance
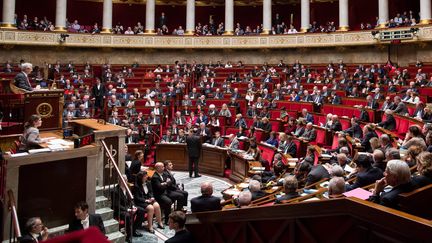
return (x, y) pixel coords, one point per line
(103, 208)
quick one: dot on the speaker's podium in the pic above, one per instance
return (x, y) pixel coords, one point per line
(18, 105)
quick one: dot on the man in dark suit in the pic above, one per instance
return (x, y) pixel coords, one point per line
(122, 210)
(205, 202)
(366, 173)
(160, 184)
(98, 91)
(84, 219)
(173, 190)
(316, 174)
(162, 20)
(218, 140)
(401, 108)
(368, 132)
(177, 221)
(397, 175)
(371, 103)
(35, 231)
(355, 130)
(310, 133)
(336, 126)
(290, 188)
(194, 151)
(22, 80)
(389, 123)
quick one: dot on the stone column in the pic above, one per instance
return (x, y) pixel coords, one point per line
(8, 14)
(107, 16)
(229, 17)
(383, 13)
(267, 16)
(305, 15)
(150, 17)
(343, 15)
(190, 17)
(425, 12)
(60, 21)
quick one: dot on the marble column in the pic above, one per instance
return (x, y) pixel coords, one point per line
(60, 21)
(343, 15)
(425, 12)
(107, 16)
(305, 15)
(383, 13)
(190, 17)
(150, 17)
(8, 14)
(267, 16)
(229, 17)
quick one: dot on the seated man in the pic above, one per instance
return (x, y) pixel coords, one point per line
(177, 221)
(218, 140)
(121, 206)
(22, 80)
(255, 189)
(84, 220)
(205, 202)
(35, 231)
(159, 184)
(173, 190)
(336, 187)
(397, 175)
(244, 199)
(309, 134)
(290, 185)
(366, 174)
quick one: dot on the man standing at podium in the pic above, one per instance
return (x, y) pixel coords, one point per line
(22, 80)
(194, 151)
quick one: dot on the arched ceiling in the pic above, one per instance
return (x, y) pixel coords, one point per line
(211, 2)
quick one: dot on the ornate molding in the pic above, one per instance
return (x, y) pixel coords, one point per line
(15, 37)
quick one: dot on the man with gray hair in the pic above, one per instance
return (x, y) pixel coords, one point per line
(397, 175)
(255, 189)
(244, 199)
(290, 185)
(385, 142)
(35, 231)
(205, 202)
(22, 80)
(336, 186)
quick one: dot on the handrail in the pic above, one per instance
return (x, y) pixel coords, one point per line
(14, 214)
(119, 174)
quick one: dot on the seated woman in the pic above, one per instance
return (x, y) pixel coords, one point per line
(135, 166)
(255, 152)
(30, 138)
(143, 197)
(397, 175)
(424, 169)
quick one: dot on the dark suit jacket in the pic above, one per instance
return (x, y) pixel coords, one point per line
(336, 127)
(193, 146)
(258, 194)
(120, 202)
(158, 188)
(28, 238)
(286, 197)
(309, 135)
(391, 199)
(401, 109)
(364, 116)
(355, 131)
(134, 169)
(291, 149)
(21, 82)
(94, 220)
(421, 181)
(218, 142)
(266, 127)
(373, 104)
(205, 203)
(182, 236)
(389, 123)
(368, 177)
(317, 173)
(140, 196)
(365, 142)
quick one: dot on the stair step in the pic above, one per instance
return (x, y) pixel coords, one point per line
(105, 213)
(102, 202)
(57, 231)
(111, 226)
(116, 237)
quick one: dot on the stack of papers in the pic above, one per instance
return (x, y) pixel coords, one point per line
(42, 150)
(358, 193)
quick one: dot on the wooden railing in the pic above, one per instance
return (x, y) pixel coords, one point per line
(335, 220)
(15, 231)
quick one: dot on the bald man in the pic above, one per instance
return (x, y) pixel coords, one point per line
(205, 202)
(160, 184)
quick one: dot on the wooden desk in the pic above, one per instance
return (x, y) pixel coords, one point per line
(114, 137)
(176, 152)
(239, 167)
(213, 160)
(50, 184)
